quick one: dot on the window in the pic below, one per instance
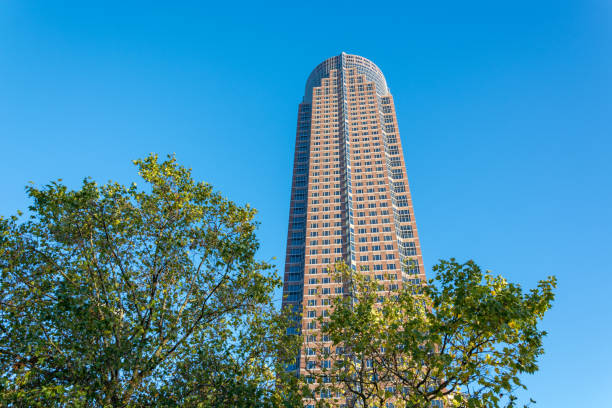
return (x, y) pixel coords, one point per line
(294, 277)
(410, 249)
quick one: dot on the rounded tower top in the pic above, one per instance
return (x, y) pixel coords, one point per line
(363, 65)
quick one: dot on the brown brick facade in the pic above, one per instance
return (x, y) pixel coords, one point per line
(350, 197)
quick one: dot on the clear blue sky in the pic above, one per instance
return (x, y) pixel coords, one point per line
(505, 112)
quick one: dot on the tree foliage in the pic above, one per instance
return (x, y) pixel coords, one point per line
(463, 340)
(114, 296)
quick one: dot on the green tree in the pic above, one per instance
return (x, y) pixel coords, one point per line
(463, 340)
(114, 296)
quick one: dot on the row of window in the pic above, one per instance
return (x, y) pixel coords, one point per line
(325, 209)
(360, 206)
(359, 169)
(314, 271)
(325, 201)
(365, 157)
(312, 303)
(374, 238)
(371, 198)
(325, 251)
(325, 193)
(369, 176)
(325, 216)
(373, 230)
(335, 165)
(387, 247)
(371, 213)
(378, 267)
(366, 163)
(353, 117)
(369, 183)
(338, 290)
(333, 151)
(328, 160)
(364, 109)
(324, 261)
(332, 143)
(374, 221)
(375, 257)
(325, 241)
(315, 281)
(324, 186)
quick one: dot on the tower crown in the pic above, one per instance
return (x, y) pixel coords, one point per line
(363, 66)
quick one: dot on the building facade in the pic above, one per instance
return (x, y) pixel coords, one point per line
(350, 199)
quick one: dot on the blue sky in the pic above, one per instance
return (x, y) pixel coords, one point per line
(505, 113)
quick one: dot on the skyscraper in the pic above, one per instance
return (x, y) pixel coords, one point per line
(350, 199)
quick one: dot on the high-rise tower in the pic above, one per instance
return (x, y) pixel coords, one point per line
(350, 199)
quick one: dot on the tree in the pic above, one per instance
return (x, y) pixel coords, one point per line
(113, 296)
(463, 340)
